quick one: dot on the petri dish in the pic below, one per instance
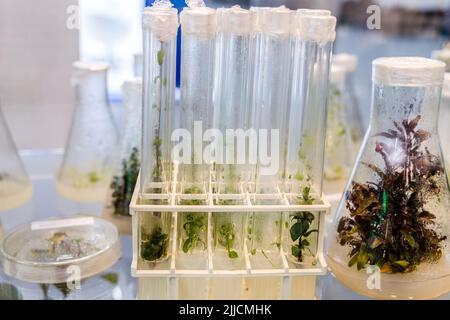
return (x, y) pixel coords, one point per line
(60, 250)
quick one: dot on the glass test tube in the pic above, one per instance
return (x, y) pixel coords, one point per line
(307, 128)
(160, 26)
(271, 96)
(270, 106)
(198, 25)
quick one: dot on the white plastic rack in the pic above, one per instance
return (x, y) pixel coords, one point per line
(284, 202)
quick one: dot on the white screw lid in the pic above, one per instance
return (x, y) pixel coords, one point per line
(408, 72)
(161, 19)
(346, 60)
(317, 28)
(235, 20)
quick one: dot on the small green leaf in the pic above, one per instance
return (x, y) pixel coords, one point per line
(187, 245)
(305, 243)
(296, 231)
(362, 260)
(232, 254)
(353, 260)
(295, 250)
(253, 252)
(160, 56)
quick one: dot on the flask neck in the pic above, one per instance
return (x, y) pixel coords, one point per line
(91, 89)
(398, 104)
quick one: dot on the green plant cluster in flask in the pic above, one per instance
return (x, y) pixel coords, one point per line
(390, 224)
(154, 245)
(123, 186)
(300, 229)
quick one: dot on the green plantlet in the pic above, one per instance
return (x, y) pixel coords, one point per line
(227, 236)
(123, 186)
(300, 229)
(155, 245)
(193, 226)
(160, 56)
(93, 177)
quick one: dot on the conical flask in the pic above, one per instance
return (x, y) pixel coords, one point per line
(444, 121)
(15, 187)
(88, 161)
(126, 173)
(353, 114)
(390, 234)
(340, 149)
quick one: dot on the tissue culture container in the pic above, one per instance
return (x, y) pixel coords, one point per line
(271, 96)
(15, 187)
(41, 258)
(127, 171)
(232, 97)
(160, 25)
(444, 121)
(340, 149)
(233, 87)
(198, 26)
(43, 251)
(85, 173)
(393, 220)
(269, 115)
(353, 114)
(312, 44)
(312, 40)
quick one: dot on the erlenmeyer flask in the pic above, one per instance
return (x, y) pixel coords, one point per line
(127, 171)
(353, 114)
(444, 121)
(87, 167)
(390, 235)
(340, 149)
(15, 187)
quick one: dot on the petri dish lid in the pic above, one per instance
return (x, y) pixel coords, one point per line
(58, 250)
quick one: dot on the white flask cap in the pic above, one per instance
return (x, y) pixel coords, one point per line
(346, 60)
(337, 74)
(408, 72)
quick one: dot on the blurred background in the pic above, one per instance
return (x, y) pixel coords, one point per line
(40, 39)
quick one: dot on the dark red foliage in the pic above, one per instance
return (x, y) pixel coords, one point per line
(388, 224)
